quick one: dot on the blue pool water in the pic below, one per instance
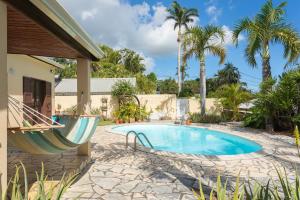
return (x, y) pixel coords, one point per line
(192, 140)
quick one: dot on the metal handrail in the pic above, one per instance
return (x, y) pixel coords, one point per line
(136, 136)
(148, 141)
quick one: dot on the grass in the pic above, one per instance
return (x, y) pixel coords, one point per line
(105, 123)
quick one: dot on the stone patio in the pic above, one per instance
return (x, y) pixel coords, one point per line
(117, 173)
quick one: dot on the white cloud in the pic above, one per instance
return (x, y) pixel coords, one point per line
(117, 23)
(214, 13)
(88, 14)
(149, 63)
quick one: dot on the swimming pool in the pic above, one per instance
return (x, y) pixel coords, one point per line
(191, 140)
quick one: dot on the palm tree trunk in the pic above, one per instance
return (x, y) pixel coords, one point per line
(183, 66)
(266, 67)
(266, 74)
(202, 85)
(178, 59)
(182, 76)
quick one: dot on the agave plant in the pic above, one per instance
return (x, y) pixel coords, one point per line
(55, 192)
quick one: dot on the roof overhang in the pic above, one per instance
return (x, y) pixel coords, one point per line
(49, 61)
(49, 30)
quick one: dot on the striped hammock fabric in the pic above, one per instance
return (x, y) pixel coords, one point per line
(77, 131)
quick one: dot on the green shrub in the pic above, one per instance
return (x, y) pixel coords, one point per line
(186, 92)
(208, 118)
(255, 119)
(122, 88)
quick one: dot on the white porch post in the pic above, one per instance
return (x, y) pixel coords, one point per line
(83, 96)
(3, 97)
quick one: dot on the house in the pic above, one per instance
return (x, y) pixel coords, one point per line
(34, 89)
(30, 28)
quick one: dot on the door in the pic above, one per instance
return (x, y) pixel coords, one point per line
(37, 95)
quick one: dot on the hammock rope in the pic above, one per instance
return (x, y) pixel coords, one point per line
(28, 111)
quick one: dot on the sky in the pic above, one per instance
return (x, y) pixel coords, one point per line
(141, 26)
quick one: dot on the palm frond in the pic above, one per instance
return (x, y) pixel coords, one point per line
(253, 47)
(217, 50)
(214, 32)
(244, 25)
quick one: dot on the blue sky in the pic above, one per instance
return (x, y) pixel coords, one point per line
(140, 25)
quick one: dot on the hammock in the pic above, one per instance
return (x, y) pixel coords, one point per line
(55, 135)
(77, 131)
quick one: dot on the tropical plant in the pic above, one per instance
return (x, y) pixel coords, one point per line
(207, 118)
(182, 17)
(123, 88)
(146, 84)
(186, 92)
(200, 41)
(167, 86)
(132, 61)
(268, 26)
(278, 101)
(228, 75)
(272, 190)
(54, 192)
(231, 97)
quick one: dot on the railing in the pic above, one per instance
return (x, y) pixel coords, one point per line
(137, 136)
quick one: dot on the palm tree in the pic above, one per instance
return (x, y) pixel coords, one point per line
(268, 26)
(228, 75)
(182, 17)
(200, 41)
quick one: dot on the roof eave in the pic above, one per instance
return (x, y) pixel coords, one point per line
(59, 16)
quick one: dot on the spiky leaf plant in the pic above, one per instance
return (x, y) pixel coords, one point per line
(55, 192)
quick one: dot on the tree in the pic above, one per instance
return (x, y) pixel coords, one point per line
(132, 61)
(228, 75)
(199, 41)
(182, 16)
(123, 88)
(231, 97)
(70, 70)
(268, 26)
(167, 86)
(146, 84)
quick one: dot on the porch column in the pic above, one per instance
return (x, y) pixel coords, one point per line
(83, 96)
(3, 97)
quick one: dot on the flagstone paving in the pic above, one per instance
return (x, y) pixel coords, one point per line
(119, 173)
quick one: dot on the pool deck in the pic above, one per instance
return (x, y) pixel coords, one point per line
(119, 173)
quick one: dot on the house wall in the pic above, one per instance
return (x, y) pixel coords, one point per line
(157, 103)
(19, 66)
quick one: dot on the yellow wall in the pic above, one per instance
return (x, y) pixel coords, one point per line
(157, 103)
(194, 105)
(19, 66)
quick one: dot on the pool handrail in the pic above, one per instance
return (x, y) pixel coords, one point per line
(136, 136)
(146, 138)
